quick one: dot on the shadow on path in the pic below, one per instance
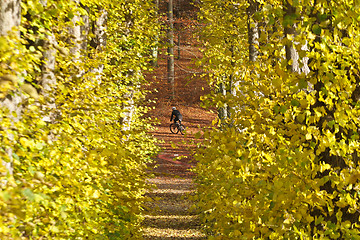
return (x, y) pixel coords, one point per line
(169, 215)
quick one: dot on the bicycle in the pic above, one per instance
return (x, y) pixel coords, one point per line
(177, 127)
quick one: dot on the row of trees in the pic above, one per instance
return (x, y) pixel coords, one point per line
(70, 76)
(283, 163)
(178, 24)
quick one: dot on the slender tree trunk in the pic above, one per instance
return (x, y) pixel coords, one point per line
(100, 30)
(49, 56)
(292, 55)
(10, 16)
(48, 79)
(222, 112)
(99, 41)
(155, 50)
(179, 41)
(253, 31)
(129, 106)
(79, 34)
(133, 87)
(170, 62)
(179, 25)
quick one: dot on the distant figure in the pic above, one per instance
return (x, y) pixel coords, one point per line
(176, 115)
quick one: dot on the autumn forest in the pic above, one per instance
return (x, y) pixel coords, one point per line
(279, 79)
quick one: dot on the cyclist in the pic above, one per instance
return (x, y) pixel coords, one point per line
(176, 115)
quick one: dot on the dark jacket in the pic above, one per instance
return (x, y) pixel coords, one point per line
(176, 115)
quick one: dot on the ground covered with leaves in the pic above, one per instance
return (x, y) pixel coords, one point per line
(169, 214)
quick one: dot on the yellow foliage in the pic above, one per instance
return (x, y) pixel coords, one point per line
(76, 172)
(285, 164)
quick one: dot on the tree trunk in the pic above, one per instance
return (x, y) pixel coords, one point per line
(292, 55)
(253, 31)
(155, 50)
(99, 41)
(170, 62)
(48, 78)
(179, 41)
(129, 106)
(79, 34)
(100, 31)
(222, 112)
(178, 30)
(10, 17)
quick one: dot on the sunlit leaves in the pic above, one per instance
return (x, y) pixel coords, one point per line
(286, 167)
(76, 173)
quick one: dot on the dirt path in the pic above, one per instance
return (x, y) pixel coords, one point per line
(169, 215)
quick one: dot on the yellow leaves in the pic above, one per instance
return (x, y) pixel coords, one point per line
(267, 157)
(324, 167)
(25, 142)
(51, 158)
(276, 81)
(7, 83)
(341, 117)
(310, 131)
(9, 78)
(29, 89)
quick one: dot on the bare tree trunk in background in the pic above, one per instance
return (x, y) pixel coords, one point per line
(227, 88)
(129, 106)
(253, 30)
(100, 31)
(75, 32)
(292, 55)
(170, 62)
(99, 41)
(223, 110)
(179, 41)
(10, 16)
(155, 50)
(48, 78)
(79, 34)
(128, 103)
(179, 24)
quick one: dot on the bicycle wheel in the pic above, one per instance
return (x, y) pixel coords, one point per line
(173, 128)
(181, 129)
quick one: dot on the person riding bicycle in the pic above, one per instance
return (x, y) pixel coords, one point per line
(176, 115)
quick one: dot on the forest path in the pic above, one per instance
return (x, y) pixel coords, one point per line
(169, 214)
